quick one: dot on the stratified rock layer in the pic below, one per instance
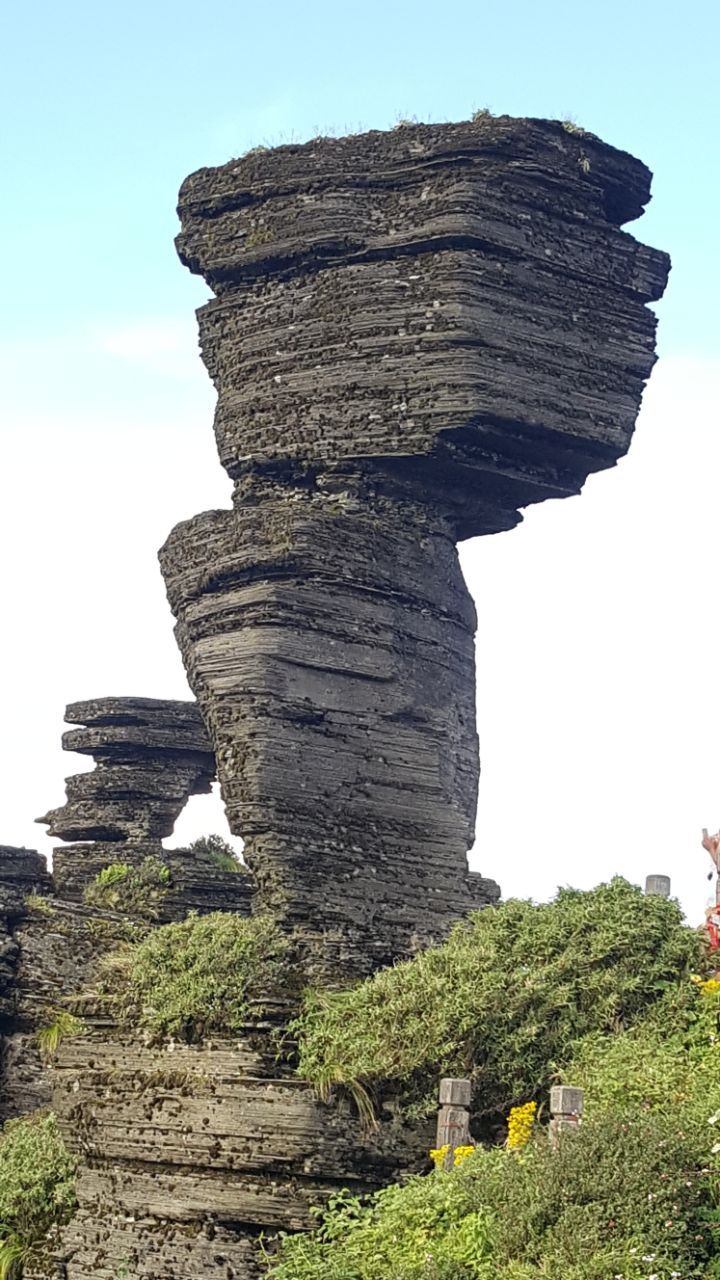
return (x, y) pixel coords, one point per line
(338, 684)
(415, 334)
(456, 296)
(190, 1152)
(23, 872)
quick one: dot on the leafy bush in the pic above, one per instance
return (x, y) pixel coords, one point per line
(633, 1195)
(137, 890)
(414, 1232)
(187, 980)
(503, 1000)
(37, 1188)
(219, 852)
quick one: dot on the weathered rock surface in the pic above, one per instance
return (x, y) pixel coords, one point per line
(23, 873)
(151, 756)
(339, 689)
(189, 1152)
(415, 334)
(456, 295)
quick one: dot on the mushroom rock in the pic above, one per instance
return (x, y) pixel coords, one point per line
(414, 335)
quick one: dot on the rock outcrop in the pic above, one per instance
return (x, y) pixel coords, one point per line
(415, 334)
(151, 756)
(23, 1082)
(190, 1152)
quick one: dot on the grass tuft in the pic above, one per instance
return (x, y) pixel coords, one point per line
(140, 890)
(50, 1037)
(39, 906)
(37, 1189)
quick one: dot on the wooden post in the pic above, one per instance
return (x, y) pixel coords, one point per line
(453, 1122)
(566, 1108)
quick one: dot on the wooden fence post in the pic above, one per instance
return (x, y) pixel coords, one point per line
(453, 1122)
(566, 1108)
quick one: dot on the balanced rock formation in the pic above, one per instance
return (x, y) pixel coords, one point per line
(151, 756)
(414, 335)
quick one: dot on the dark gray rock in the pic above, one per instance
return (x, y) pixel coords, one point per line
(415, 334)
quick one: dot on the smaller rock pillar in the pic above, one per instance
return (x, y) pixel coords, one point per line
(150, 757)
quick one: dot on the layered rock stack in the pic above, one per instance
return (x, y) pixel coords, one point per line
(192, 1154)
(414, 335)
(151, 756)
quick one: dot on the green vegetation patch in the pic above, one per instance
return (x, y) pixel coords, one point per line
(634, 1194)
(503, 1000)
(39, 906)
(61, 1025)
(219, 852)
(37, 1188)
(190, 979)
(140, 890)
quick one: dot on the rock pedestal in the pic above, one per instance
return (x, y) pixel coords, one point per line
(340, 695)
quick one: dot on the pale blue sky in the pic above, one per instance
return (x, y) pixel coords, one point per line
(107, 107)
(598, 618)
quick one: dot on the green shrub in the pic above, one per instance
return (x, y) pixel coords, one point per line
(503, 1000)
(633, 1195)
(413, 1232)
(187, 980)
(139, 890)
(219, 852)
(37, 1188)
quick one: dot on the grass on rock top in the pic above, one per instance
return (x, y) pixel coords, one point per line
(191, 979)
(503, 1001)
(596, 990)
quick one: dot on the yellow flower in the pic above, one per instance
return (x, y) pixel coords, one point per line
(438, 1154)
(710, 987)
(520, 1125)
(460, 1154)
